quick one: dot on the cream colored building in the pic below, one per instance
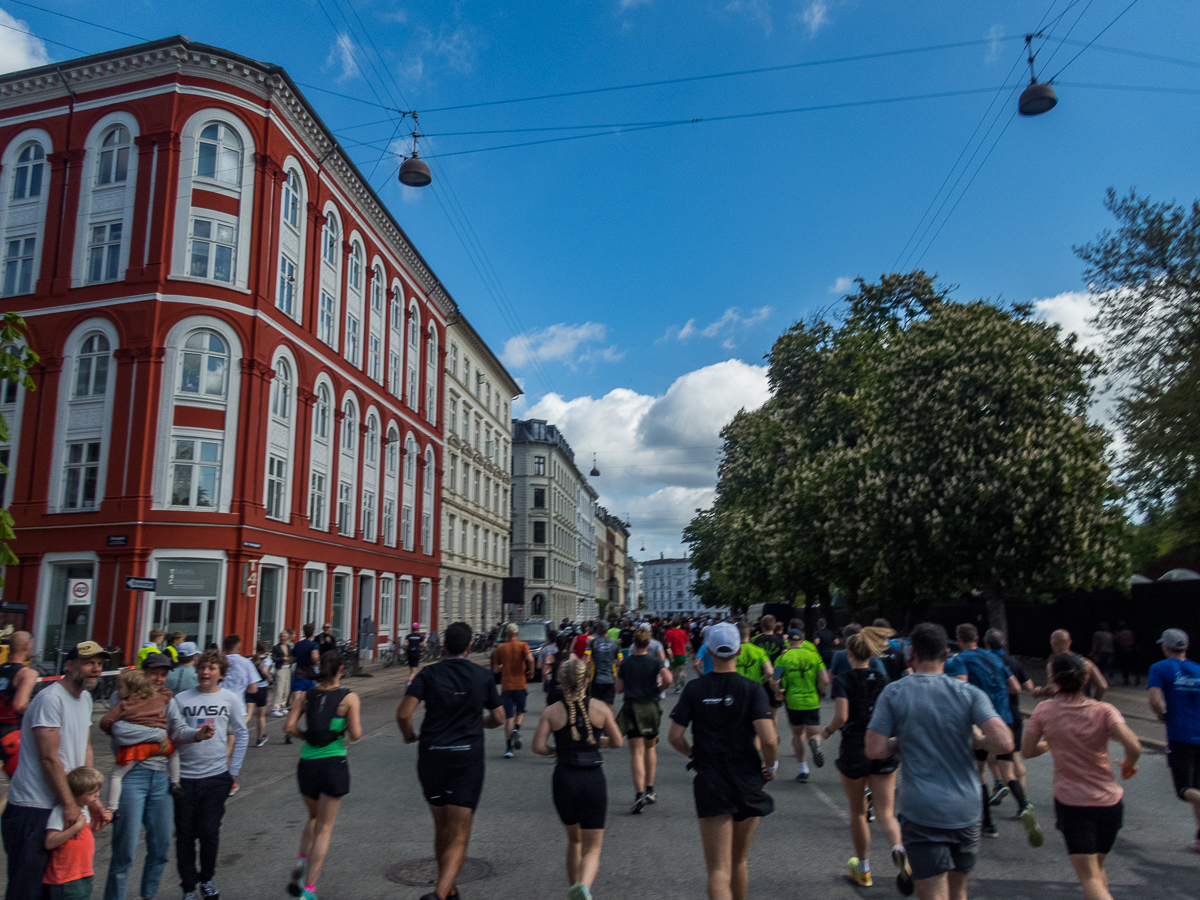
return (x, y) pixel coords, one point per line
(476, 484)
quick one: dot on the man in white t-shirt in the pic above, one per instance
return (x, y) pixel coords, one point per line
(242, 678)
(55, 739)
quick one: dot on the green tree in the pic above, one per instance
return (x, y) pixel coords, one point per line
(16, 358)
(1146, 275)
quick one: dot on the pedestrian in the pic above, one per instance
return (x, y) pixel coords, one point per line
(604, 653)
(1125, 654)
(183, 676)
(580, 727)
(144, 706)
(242, 679)
(640, 679)
(331, 713)
(984, 669)
(728, 715)
(798, 672)
(326, 640)
(1087, 800)
(70, 870)
(206, 778)
(544, 654)
(703, 663)
(513, 661)
(414, 646)
(854, 696)
(930, 720)
(171, 647)
(677, 639)
(306, 661)
(144, 791)
(1174, 685)
(153, 645)
(1102, 650)
(55, 733)
(450, 760)
(995, 641)
(825, 641)
(281, 656)
(256, 702)
(17, 680)
(551, 667)
(1095, 686)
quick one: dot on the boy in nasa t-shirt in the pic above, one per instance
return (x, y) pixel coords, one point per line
(205, 775)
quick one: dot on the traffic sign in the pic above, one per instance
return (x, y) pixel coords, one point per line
(133, 583)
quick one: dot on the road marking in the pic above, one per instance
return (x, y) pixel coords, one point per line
(838, 808)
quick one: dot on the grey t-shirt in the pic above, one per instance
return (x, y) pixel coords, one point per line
(604, 656)
(931, 716)
(53, 707)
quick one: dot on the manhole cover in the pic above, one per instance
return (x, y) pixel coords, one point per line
(423, 872)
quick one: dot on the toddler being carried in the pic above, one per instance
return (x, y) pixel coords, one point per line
(138, 724)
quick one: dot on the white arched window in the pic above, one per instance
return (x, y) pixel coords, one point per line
(331, 243)
(219, 154)
(106, 202)
(414, 356)
(24, 215)
(377, 291)
(395, 343)
(406, 499)
(321, 420)
(331, 269)
(289, 292)
(204, 365)
(431, 353)
(372, 439)
(347, 468)
(427, 504)
(85, 415)
(291, 200)
(91, 366)
(370, 485)
(391, 474)
(281, 390)
(375, 326)
(318, 484)
(354, 304)
(113, 161)
(278, 488)
(349, 426)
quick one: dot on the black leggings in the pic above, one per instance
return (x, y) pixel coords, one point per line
(580, 796)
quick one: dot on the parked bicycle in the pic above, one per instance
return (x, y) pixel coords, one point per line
(433, 648)
(388, 654)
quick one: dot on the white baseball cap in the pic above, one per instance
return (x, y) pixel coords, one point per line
(724, 640)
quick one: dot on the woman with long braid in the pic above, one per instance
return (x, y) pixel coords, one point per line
(580, 727)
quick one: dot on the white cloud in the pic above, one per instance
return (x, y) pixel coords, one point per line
(17, 50)
(342, 55)
(569, 344)
(756, 10)
(732, 319)
(815, 16)
(657, 455)
(841, 285)
(994, 34)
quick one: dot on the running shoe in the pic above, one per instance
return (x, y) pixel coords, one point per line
(233, 790)
(817, 752)
(1032, 830)
(508, 754)
(287, 738)
(299, 871)
(277, 713)
(991, 831)
(870, 813)
(638, 805)
(262, 740)
(308, 895)
(802, 778)
(579, 892)
(516, 738)
(651, 797)
(191, 895)
(999, 792)
(904, 879)
(863, 878)
(209, 891)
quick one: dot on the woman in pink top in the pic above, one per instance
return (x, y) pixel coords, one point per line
(1087, 799)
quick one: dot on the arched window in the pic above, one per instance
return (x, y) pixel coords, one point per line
(219, 154)
(349, 426)
(113, 162)
(397, 309)
(321, 419)
(427, 504)
(431, 353)
(291, 199)
(410, 462)
(414, 354)
(356, 267)
(331, 259)
(27, 182)
(406, 500)
(204, 365)
(281, 390)
(372, 453)
(377, 290)
(331, 244)
(393, 452)
(91, 367)
(414, 330)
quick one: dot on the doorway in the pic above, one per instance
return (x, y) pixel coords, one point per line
(268, 604)
(68, 611)
(186, 599)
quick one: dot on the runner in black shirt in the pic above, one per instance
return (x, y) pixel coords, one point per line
(641, 679)
(307, 655)
(994, 641)
(413, 645)
(450, 763)
(726, 712)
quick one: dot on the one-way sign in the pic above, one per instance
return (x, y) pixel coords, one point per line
(133, 583)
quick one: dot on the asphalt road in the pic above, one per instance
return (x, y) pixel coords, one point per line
(800, 850)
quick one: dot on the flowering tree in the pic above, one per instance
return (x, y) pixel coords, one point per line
(15, 360)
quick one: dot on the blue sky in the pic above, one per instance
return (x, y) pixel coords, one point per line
(634, 280)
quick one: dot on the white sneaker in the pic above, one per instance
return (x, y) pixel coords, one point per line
(277, 713)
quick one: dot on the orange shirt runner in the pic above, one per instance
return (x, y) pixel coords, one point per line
(511, 656)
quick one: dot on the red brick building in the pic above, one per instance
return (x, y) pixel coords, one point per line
(241, 360)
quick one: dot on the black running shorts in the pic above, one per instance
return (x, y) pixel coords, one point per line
(514, 702)
(258, 698)
(1184, 760)
(857, 765)
(580, 796)
(454, 785)
(718, 794)
(604, 692)
(798, 717)
(329, 776)
(932, 851)
(1089, 829)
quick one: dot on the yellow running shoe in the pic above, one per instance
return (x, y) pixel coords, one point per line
(863, 878)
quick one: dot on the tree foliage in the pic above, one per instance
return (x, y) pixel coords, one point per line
(16, 358)
(1146, 275)
(918, 450)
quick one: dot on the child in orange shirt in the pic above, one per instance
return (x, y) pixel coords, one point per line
(69, 872)
(142, 705)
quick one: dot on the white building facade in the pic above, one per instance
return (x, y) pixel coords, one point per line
(585, 536)
(476, 479)
(667, 585)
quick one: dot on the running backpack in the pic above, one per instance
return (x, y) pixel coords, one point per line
(320, 709)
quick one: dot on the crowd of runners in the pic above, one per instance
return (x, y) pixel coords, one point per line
(944, 713)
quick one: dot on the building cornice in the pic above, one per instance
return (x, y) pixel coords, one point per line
(479, 348)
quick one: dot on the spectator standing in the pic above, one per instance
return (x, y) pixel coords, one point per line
(326, 640)
(450, 761)
(513, 660)
(55, 732)
(17, 679)
(281, 655)
(1102, 650)
(1174, 685)
(931, 719)
(1125, 654)
(153, 645)
(207, 773)
(183, 676)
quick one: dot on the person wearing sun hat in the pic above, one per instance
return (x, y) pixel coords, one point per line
(1174, 685)
(726, 713)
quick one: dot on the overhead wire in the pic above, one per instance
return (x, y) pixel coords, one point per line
(1093, 40)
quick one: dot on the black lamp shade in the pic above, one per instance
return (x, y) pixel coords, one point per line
(415, 173)
(1037, 99)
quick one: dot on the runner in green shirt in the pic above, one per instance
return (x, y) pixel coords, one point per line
(797, 672)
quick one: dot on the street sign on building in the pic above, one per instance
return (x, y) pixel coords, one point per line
(79, 592)
(133, 583)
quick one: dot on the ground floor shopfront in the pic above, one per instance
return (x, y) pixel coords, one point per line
(65, 596)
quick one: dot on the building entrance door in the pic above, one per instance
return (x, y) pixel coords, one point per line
(186, 599)
(268, 604)
(68, 611)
